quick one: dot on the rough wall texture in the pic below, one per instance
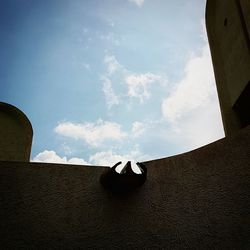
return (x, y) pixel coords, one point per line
(228, 28)
(197, 200)
(15, 134)
(245, 6)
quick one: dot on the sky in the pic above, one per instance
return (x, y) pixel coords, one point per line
(109, 80)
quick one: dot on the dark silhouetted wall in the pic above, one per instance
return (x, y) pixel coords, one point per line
(197, 200)
(15, 134)
(228, 29)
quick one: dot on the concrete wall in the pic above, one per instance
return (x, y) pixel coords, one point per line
(197, 200)
(245, 6)
(15, 134)
(228, 32)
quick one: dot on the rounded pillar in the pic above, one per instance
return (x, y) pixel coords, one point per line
(15, 134)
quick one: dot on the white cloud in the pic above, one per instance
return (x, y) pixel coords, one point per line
(109, 158)
(195, 89)
(137, 2)
(77, 161)
(110, 95)
(138, 85)
(104, 158)
(93, 134)
(203, 126)
(51, 157)
(192, 108)
(138, 129)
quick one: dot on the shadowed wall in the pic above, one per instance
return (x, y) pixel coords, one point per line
(228, 29)
(197, 200)
(15, 134)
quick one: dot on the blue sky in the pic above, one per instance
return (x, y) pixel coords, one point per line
(107, 80)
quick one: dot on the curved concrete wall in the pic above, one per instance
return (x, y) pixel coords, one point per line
(197, 200)
(15, 134)
(228, 27)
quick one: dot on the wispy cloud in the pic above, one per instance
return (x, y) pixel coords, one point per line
(112, 64)
(138, 128)
(94, 134)
(137, 2)
(110, 95)
(128, 84)
(139, 84)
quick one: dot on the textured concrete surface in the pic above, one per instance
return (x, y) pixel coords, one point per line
(228, 28)
(245, 5)
(197, 200)
(15, 134)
